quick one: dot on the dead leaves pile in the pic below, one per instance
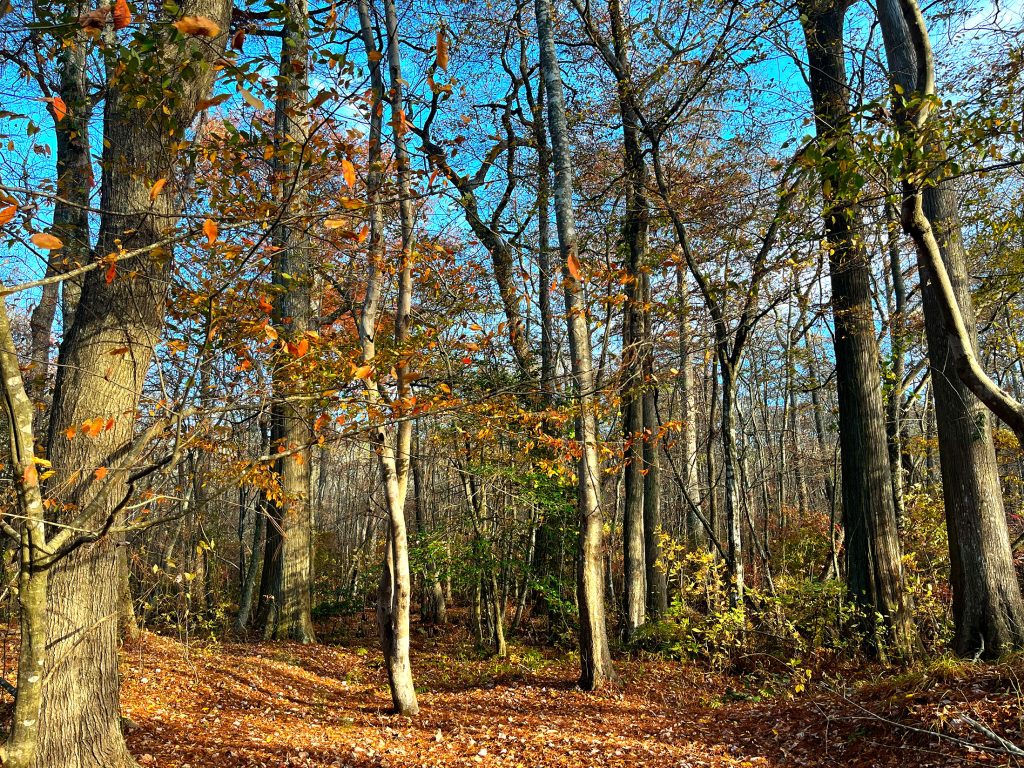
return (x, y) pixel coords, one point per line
(268, 705)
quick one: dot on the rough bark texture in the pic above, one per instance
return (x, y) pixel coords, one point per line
(595, 654)
(80, 722)
(988, 611)
(290, 576)
(874, 572)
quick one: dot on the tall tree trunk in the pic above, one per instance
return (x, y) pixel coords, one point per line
(730, 468)
(70, 210)
(874, 572)
(95, 380)
(595, 654)
(988, 612)
(392, 446)
(291, 426)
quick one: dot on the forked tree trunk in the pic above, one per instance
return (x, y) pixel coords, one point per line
(392, 446)
(96, 380)
(595, 654)
(875, 578)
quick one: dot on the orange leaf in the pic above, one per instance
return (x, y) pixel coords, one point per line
(92, 427)
(30, 476)
(573, 265)
(364, 232)
(156, 189)
(200, 26)
(374, 56)
(122, 14)
(110, 273)
(348, 171)
(265, 304)
(362, 372)
(210, 230)
(442, 49)
(6, 214)
(351, 204)
(302, 347)
(100, 473)
(70, 433)
(60, 109)
(47, 241)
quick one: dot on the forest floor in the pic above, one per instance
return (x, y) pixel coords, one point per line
(234, 705)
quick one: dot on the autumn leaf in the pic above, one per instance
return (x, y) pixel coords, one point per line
(271, 332)
(210, 229)
(265, 304)
(251, 100)
(6, 214)
(92, 427)
(122, 14)
(348, 172)
(442, 49)
(60, 109)
(198, 26)
(47, 241)
(100, 473)
(156, 189)
(374, 56)
(94, 20)
(110, 273)
(30, 476)
(362, 372)
(573, 265)
(364, 232)
(214, 101)
(334, 222)
(238, 40)
(70, 433)
(351, 203)
(302, 347)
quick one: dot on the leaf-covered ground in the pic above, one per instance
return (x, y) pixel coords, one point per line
(225, 705)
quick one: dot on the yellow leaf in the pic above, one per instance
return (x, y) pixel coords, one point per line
(363, 372)
(251, 100)
(350, 203)
(47, 241)
(334, 222)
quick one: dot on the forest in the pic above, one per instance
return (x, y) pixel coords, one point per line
(511, 382)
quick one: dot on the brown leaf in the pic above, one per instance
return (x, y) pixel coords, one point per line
(442, 49)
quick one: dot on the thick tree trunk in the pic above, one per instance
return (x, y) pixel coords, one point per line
(874, 572)
(988, 611)
(95, 380)
(595, 654)
(291, 426)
